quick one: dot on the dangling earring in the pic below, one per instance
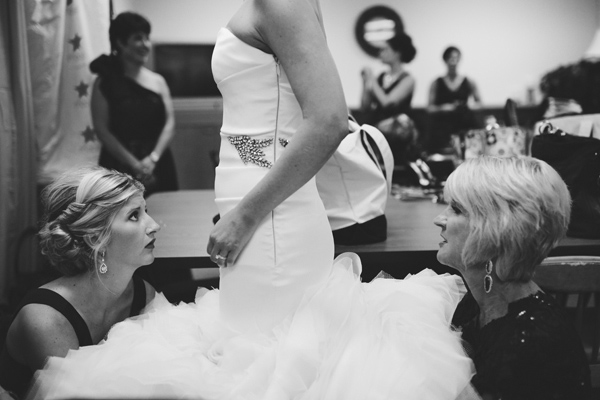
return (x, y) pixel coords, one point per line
(103, 267)
(487, 279)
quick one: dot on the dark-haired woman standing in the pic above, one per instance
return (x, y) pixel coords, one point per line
(132, 109)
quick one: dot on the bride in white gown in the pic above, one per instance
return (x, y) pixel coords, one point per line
(288, 322)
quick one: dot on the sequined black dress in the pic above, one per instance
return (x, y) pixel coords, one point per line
(137, 118)
(533, 352)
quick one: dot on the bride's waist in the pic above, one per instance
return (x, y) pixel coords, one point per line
(233, 183)
(260, 151)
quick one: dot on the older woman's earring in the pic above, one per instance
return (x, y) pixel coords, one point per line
(103, 267)
(487, 279)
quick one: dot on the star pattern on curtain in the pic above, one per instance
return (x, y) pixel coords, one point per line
(89, 134)
(82, 89)
(75, 42)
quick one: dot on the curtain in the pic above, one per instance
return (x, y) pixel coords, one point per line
(64, 36)
(45, 122)
(7, 150)
(18, 197)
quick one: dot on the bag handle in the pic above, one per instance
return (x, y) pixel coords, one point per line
(382, 147)
(546, 128)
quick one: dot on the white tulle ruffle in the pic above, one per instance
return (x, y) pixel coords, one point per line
(387, 339)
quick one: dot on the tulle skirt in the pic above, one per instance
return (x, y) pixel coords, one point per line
(386, 339)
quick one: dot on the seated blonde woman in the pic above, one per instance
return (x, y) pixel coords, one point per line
(503, 218)
(96, 233)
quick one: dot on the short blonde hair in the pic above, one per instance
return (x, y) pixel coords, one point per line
(518, 209)
(79, 209)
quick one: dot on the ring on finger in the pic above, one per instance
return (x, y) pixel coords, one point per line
(221, 260)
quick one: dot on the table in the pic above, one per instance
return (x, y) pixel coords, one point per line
(186, 219)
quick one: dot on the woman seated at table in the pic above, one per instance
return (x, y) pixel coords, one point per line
(386, 98)
(503, 218)
(451, 100)
(96, 233)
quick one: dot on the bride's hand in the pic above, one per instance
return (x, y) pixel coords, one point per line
(229, 237)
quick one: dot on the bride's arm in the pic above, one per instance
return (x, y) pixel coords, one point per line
(291, 29)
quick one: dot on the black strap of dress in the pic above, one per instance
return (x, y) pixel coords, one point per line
(15, 376)
(60, 304)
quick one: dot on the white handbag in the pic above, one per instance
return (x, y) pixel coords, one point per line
(355, 182)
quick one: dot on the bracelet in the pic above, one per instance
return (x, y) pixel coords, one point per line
(154, 157)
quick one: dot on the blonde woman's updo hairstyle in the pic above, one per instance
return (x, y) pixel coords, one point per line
(79, 209)
(518, 210)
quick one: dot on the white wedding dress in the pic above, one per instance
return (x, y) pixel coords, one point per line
(288, 322)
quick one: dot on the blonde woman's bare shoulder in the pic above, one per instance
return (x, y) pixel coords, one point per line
(39, 331)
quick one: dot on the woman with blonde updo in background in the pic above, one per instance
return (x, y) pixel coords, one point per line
(386, 98)
(96, 233)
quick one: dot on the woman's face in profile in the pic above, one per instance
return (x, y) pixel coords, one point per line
(132, 235)
(136, 48)
(455, 231)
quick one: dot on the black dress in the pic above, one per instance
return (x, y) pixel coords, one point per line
(15, 376)
(446, 123)
(533, 352)
(137, 118)
(380, 112)
(403, 141)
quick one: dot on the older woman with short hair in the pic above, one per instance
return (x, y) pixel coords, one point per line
(132, 108)
(503, 218)
(96, 233)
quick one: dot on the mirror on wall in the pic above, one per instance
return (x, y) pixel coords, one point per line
(374, 26)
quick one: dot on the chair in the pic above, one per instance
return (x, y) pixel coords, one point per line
(577, 276)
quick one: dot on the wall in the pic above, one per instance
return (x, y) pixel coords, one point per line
(507, 44)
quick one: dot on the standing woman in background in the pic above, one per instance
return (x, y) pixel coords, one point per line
(132, 109)
(449, 98)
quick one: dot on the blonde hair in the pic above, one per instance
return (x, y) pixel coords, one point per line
(79, 209)
(518, 210)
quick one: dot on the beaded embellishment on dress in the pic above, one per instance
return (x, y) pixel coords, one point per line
(250, 150)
